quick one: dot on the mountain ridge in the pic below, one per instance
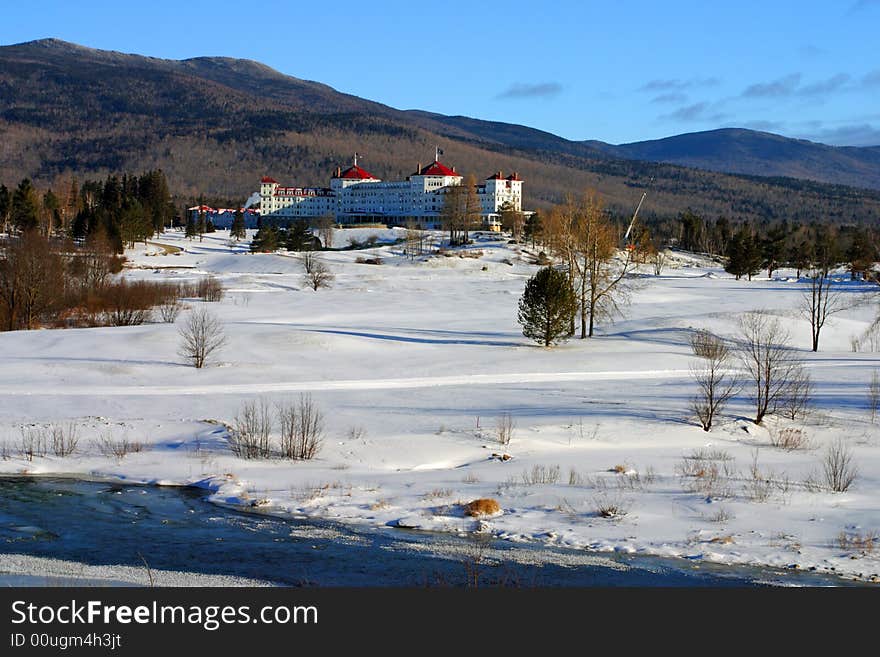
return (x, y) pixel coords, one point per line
(215, 124)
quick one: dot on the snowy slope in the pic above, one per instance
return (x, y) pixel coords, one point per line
(412, 362)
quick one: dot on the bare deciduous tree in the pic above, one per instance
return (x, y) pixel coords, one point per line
(874, 395)
(838, 467)
(798, 395)
(249, 436)
(819, 302)
(598, 277)
(201, 336)
(504, 427)
(324, 227)
(302, 428)
(717, 383)
(658, 260)
(318, 275)
(769, 362)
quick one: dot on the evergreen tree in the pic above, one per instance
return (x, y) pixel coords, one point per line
(25, 213)
(743, 255)
(238, 230)
(532, 228)
(299, 237)
(190, 225)
(5, 208)
(201, 225)
(266, 240)
(547, 307)
(861, 254)
(773, 249)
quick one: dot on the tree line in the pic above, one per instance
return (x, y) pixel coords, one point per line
(123, 209)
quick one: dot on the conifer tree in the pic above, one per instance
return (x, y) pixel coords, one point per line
(190, 225)
(547, 307)
(238, 230)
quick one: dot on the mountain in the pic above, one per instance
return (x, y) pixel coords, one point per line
(215, 125)
(735, 150)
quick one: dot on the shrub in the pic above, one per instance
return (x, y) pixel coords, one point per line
(504, 427)
(64, 439)
(838, 468)
(249, 436)
(118, 448)
(302, 428)
(789, 439)
(209, 289)
(541, 474)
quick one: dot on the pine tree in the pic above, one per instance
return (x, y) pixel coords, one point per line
(861, 254)
(238, 230)
(190, 225)
(773, 249)
(547, 307)
(266, 240)
(5, 208)
(25, 211)
(201, 226)
(299, 237)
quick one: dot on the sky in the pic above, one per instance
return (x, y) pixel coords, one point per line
(619, 71)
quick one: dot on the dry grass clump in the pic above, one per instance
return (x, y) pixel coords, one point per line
(856, 542)
(485, 506)
(790, 439)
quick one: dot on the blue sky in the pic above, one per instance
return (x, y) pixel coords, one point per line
(616, 71)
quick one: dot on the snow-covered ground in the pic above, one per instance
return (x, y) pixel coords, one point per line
(412, 364)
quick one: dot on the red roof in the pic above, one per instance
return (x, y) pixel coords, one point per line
(267, 179)
(437, 169)
(357, 173)
(515, 176)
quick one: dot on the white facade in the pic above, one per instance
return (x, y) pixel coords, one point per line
(356, 196)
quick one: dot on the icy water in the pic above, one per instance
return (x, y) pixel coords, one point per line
(177, 529)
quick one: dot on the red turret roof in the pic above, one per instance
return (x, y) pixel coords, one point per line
(267, 179)
(357, 173)
(437, 169)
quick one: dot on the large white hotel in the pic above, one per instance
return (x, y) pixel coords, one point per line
(356, 196)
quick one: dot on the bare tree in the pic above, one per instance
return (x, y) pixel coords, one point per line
(658, 260)
(838, 467)
(324, 227)
(798, 395)
(249, 436)
(820, 301)
(201, 336)
(309, 260)
(414, 241)
(874, 395)
(598, 276)
(769, 362)
(716, 382)
(318, 276)
(504, 427)
(302, 428)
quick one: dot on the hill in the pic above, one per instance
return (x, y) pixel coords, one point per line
(734, 150)
(215, 124)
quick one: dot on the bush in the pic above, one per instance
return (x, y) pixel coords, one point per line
(302, 428)
(249, 436)
(838, 468)
(209, 289)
